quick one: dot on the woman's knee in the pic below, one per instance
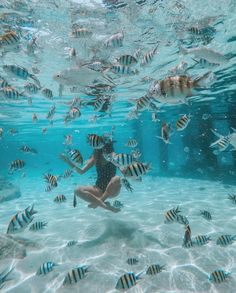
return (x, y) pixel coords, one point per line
(116, 181)
(79, 190)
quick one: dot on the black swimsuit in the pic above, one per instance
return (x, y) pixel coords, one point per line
(105, 171)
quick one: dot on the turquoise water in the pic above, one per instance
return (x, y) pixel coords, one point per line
(193, 169)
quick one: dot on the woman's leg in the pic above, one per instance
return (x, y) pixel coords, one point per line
(113, 188)
(92, 195)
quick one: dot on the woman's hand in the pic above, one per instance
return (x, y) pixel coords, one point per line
(65, 158)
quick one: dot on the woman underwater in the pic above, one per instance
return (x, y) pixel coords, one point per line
(107, 183)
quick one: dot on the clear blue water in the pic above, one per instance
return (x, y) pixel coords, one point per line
(187, 172)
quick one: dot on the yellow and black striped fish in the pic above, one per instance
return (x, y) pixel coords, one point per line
(9, 39)
(155, 269)
(75, 156)
(60, 198)
(17, 164)
(47, 93)
(171, 215)
(68, 173)
(51, 179)
(81, 33)
(206, 215)
(148, 57)
(37, 226)
(96, 141)
(202, 240)
(45, 268)
(182, 122)
(219, 276)
(131, 143)
(9, 93)
(127, 281)
(225, 240)
(75, 275)
(132, 261)
(115, 40)
(136, 170)
(123, 70)
(143, 103)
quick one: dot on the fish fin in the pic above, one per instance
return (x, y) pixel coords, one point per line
(138, 276)
(217, 134)
(234, 129)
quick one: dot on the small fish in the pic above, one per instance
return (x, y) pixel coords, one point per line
(115, 40)
(51, 113)
(165, 132)
(123, 70)
(37, 226)
(9, 93)
(127, 281)
(182, 122)
(31, 88)
(232, 197)
(3, 83)
(98, 105)
(132, 261)
(3, 277)
(219, 276)
(34, 117)
(75, 275)
(60, 198)
(202, 240)
(76, 156)
(13, 131)
(136, 170)
(131, 143)
(155, 269)
(20, 72)
(143, 103)
(17, 164)
(225, 240)
(148, 57)
(182, 220)
(171, 215)
(51, 179)
(68, 173)
(44, 130)
(117, 204)
(206, 215)
(205, 53)
(81, 33)
(68, 139)
(9, 39)
(221, 144)
(1, 132)
(126, 184)
(155, 117)
(96, 141)
(26, 149)
(127, 60)
(47, 93)
(120, 160)
(187, 242)
(71, 243)
(73, 114)
(46, 268)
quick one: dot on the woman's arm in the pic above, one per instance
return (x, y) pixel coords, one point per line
(90, 163)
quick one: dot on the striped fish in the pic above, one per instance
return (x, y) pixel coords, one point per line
(136, 170)
(171, 215)
(126, 184)
(98, 105)
(74, 113)
(46, 268)
(21, 220)
(47, 93)
(132, 261)
(120, 160)
(20, 72)
(31, 88)
(71, 243)
(232, 197)
(219, 276)
(187, 242)
(9, 39)
(182, 122)
(127, 281)
(117, 204)
(51, 113)
(26, 149)
(75, 275)
(182, 220)
(96, 141)
(225, 240)
(202, 240)
(9, 93)
(76, 156)
(3, 83)
(37, 226)
(206, 215)
(131, 143)
(115, 40)
(123, 70)
(81, 33)
(16, 165)
(221, 144)
(148, 57)
(34, 117)
(68, 173)
(1, 132)
(60, 198)
(143, 103)
(51, 179)
(127, 60)
(155, 269)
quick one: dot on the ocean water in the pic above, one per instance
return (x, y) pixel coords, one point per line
(192, 169)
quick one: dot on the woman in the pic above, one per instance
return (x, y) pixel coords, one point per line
(107, 184)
